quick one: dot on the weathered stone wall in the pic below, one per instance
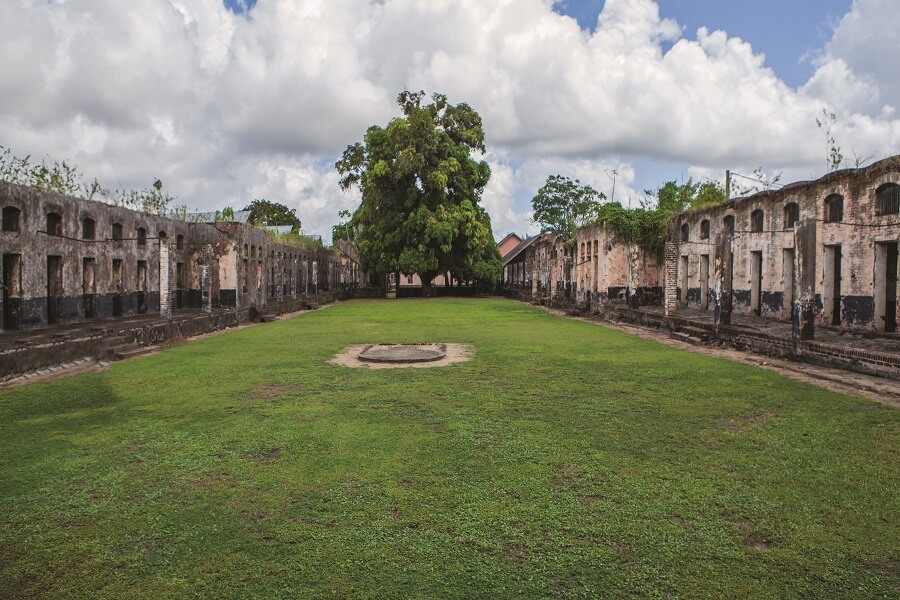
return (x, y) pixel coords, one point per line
(68, 259)
(597, 268)
(765, 269)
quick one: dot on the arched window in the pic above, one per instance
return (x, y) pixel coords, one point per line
(54, 224)
(252, 251)
(88, 229)
(704, 229)
(161, 235)
(887, 200)
(834, 208)
(756, 221)
(141, 236)
(728, 224)
(11, 216)
(791, 215)
(685, 232)
(179, 242)
(117, 232)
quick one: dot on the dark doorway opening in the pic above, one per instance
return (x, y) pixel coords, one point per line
(12, 291)
(118, 284)
(54, 289)
(142, 286)
(890, 307)
(179, 285)
(832, 300)
(704, 280)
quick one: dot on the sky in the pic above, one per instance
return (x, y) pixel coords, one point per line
(226, 101)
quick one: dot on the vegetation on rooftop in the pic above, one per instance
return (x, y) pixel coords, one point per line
(63, 177)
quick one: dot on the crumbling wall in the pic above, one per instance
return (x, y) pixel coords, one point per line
(67, 259)
(763, 276)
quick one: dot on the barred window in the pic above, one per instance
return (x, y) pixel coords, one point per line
(88, 229)
(791, 215)
(887, 200)
(834, 208)
(54, 224)
(11, 218)
(141, 236)
(756, 221)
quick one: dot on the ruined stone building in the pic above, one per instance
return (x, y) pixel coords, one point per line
(67, 259)
(597, 267)
(824, 252)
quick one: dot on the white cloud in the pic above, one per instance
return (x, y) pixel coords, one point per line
(225, 108)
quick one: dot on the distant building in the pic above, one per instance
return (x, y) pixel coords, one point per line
(508, 243)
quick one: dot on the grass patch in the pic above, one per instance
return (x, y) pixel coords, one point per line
(564, 459)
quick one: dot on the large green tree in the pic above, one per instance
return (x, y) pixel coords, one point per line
(421, 192)
(564, 206)
(265, 212)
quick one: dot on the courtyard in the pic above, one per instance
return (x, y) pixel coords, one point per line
(560, 459)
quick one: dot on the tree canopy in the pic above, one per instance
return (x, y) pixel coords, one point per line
(564, 206)
(421, 191)
(264, 212)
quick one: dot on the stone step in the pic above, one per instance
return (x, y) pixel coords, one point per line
(132, 351)
(685, 337)
(696, 332)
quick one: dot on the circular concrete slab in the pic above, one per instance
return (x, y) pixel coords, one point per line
(403, 353)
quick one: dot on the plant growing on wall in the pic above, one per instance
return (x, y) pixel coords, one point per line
(62, 177)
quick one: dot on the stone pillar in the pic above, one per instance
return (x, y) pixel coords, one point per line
(634, 270)
(723, 275)
(205, 289)
(166, 280)
(670, 279)
(804, 315)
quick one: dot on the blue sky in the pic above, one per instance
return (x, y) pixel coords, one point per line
(786, 31)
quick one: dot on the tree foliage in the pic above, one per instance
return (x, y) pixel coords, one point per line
(648, 225)
(564, 206)
(673, 198)
(272, 214)
(343, 230)
(421, 191)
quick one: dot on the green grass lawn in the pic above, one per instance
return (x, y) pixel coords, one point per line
(564, 460)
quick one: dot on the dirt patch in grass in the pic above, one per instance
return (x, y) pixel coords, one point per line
(742, 424)
(267, 456)
(753, 536)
